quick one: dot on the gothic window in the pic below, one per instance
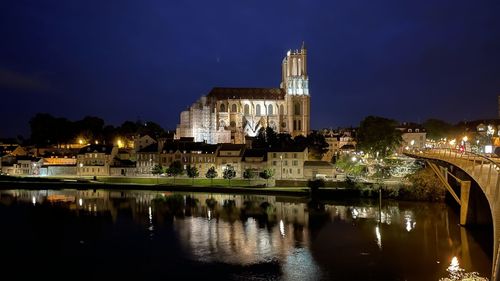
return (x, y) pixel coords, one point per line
(270, 110)
(222, 108)
(222, 123)
(257, 110)
(297, 108)
(233, 124)
(299, 125)
(233, 108)
(247, 109)
(282, 111)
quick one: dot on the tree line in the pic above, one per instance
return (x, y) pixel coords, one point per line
(49, 130)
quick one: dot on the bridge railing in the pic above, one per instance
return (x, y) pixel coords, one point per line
(484, 170)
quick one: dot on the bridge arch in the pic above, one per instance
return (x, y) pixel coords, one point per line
(482, 186)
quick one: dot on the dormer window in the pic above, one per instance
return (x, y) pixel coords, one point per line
(410, 131)
(417, 130)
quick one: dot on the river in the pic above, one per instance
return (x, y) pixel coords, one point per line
(148, 235)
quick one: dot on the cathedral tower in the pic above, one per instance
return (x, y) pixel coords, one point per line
(295, 82)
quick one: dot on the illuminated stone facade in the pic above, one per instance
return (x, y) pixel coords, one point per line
(227, 115)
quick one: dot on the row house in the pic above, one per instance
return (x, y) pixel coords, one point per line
(59, 162)
(229, 155)
(338, 143)
(198, 154)
(147, 158)
(287, 163)
(255, 160)
(413, 136)
(95, 160)
(22, 166)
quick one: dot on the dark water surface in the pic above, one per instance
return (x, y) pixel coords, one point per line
(147, 235)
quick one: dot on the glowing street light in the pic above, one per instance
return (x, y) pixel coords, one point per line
(465, 138)
(281, 170)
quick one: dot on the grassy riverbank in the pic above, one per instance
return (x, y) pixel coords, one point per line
(422, 186)
(142, 184)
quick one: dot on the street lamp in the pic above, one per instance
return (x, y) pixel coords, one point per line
(281, 170)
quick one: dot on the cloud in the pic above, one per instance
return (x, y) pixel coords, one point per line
(20, 81)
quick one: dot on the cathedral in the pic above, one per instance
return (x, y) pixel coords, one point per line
(228, 115)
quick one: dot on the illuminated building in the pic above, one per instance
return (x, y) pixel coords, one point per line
(228, 115)
(287, 163)
(95, 160)
(414, 136)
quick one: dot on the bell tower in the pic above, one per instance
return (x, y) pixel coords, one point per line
(295, 82)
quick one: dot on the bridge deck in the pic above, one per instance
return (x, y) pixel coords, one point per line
(486, 173)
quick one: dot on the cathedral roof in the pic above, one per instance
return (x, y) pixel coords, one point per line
(247, 93)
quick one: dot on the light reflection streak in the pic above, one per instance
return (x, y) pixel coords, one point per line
(150, 216)
(33, 200)
(379, 237)
(282, 228)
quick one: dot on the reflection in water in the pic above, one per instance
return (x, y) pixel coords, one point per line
(248, 236)
(457, 273)
(379, 237)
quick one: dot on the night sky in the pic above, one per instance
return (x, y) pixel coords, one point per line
(125, 60)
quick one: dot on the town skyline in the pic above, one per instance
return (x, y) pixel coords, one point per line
(372, 60)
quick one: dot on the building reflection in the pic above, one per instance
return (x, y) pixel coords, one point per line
(250, 229)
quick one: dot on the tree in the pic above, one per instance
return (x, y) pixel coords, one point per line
(192, 172)
(90, 127)
(351, 166)
(378, 135)
(437, 129)
(152, 129)
(211, 174)
(174, 169)
(267, 138)
(48, 130)
(157, 170)
(229, 173)
(267, 174)
(316, 145)
(315, 184)
(128, 129)
(248, 174)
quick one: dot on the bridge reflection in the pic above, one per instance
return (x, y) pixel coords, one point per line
(319, 238)
(481, 207)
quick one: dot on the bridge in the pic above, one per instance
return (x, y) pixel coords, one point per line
(477, 176)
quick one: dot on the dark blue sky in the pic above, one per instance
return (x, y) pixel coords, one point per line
(123, 60)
